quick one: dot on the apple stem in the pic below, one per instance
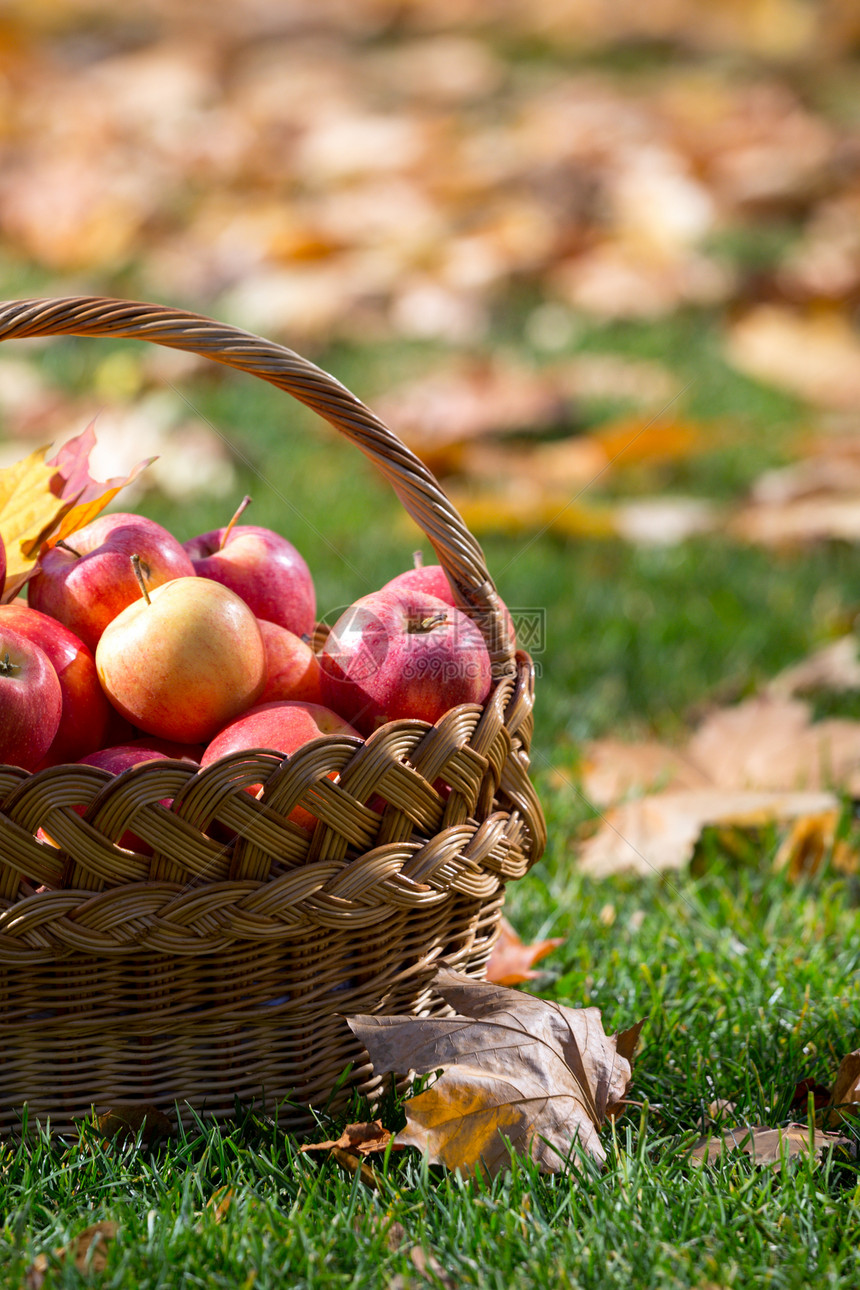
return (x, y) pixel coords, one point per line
(420, 623)
(141, 582)
(64, 544)
(418, 559)
(7, 667)
(245, 502)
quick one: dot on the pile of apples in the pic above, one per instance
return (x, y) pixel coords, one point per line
(132, 647)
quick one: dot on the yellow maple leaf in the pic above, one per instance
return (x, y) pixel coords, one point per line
(30, 509)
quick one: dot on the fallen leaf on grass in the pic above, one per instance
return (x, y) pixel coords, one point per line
(790, 524)
(768, 1146)
(771, 743)
(352, 1164)
(123, 1123)
(845, 1098)
(612, 769)
(745, 766)
(809, 842)
(659, 833)
(89, 1250)
(511, 961)
(834, 667)
(799, 1104)
(816, 356)
(471, 399)
(515, 1069)
(362, 1138)
(219, 1203)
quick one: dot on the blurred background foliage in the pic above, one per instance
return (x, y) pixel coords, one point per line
(598, 264)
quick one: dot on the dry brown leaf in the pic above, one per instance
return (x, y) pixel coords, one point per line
(816, 356)
(123, 1123)
(772, 743)
(219, 1203)
(807, 844)
(659, 833)
(89, 1250)
(834, 667)
(470, 400)
(768, 1146)
(789, 524)
(362, 1139)
(515, 1069)
(512, 962)
(611, 770)
(845, 1097)
(352, 1164)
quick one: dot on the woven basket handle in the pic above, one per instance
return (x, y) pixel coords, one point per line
(458, 552)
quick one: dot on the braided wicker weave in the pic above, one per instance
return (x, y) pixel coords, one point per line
(221, 965)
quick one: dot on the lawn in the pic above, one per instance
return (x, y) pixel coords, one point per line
(748, 982)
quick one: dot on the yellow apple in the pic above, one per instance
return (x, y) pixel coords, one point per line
(183, 660)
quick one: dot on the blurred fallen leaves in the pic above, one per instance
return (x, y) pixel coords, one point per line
(816, 355)
(88, 1251)
(760, 761)
(302, 177)
(515, 1069)
(768, 1146)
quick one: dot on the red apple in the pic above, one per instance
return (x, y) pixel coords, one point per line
(432, 579)
(89, 580)
(402, 653)
(263, 568)
(283, 727)
(31, 700)
(124, 757)
(293, 670)
(86, 712)
(183, 660)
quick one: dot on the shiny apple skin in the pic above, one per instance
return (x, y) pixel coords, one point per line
(185, 664)
(284, 727)
(87, 591)
(31, 701)
(380, 662)
(86, 714)
(264, 569)
(292, 668)
(432, 579)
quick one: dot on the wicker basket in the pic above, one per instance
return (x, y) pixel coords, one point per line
(213, 970)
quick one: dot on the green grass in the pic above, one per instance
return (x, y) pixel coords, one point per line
(747, 982)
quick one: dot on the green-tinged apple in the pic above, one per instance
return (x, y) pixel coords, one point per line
(86, 714)
(402, 653)
(183, 659)
(31, 700)
(260, 566)
(88, 580)
(292, 668)
(432, 579)
(282, 727)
